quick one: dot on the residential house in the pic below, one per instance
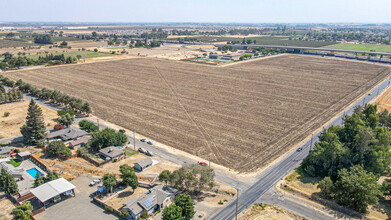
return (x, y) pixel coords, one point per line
(215, 56)
(111, 153)
(25, 155)
(231, 56)
(67, 134)
(157, 197)
(5, 151)
(80, 141)
(143, 164)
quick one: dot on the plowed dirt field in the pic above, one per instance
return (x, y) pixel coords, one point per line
(242, 116)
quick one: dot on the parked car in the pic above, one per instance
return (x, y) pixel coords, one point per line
(97, 181)
(141, 150)
(143, 140)
(149, 153)
(203, 164)
(149, 142)
(92, 183)
(122, 130)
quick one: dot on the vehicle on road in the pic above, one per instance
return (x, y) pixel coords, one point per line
(141, 150)
(122, 130)
(149, 142)
(299, 149)
(92, 183)
(203, 164)
(143, 140)
(149, 153)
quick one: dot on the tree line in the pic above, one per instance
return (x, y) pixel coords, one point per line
(12, 62)
(10, 96)
(351, 158)
(54, 96)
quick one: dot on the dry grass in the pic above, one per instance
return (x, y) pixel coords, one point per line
(116, 201)
(267, 212)
(6, 209)
(240, 116)
(384, 101)
(10, 126)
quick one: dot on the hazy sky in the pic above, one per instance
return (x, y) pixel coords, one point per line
(253, 11)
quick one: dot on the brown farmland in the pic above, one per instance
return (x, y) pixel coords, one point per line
(242, 116)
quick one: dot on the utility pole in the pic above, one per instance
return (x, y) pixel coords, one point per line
(363, 101)
(237, 200)
(134, 140)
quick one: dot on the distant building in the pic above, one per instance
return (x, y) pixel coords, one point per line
(215, 56)
(67, 134)
(143, 164)
(231, 56)
(156, 198)
(5, 151)
(111, 153)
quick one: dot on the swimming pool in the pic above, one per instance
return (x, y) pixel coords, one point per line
(33, 172)
(119, 147)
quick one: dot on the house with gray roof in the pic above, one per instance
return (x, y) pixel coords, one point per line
(5, 151)
(67, 134)
(157, 197)
(143, 164)
(80, 141)
(111, 153)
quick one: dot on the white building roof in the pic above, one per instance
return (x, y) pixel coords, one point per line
(51, 189)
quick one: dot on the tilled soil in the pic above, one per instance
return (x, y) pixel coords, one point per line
(241, 116)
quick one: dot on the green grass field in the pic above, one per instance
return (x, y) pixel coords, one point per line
(130, 152)
(15, 162)
(267, 40)
(365, 47)
(85, 54)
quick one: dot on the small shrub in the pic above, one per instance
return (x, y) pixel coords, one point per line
(109, 209)
(58, 127)
(124, 213)
(115, 160)
(221, 202)
(144, 215)
(6, 114)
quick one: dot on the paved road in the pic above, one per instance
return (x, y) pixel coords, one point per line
(269, 177)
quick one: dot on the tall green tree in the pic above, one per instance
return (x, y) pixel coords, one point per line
(109, 181)
(128, 176)
(184, 202)
(34, 131)
(356, 188)
(172, 212)
(10, 185)
(23, 212)
(165, 176)
(66, 120)
(107, 137)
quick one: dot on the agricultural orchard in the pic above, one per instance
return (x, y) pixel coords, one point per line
(242, 116)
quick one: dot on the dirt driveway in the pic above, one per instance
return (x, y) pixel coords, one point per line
(79, 207)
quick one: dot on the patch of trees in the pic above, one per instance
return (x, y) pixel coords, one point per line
(88, 126)
(227, 48)
(55, 96)
(40, 179)
(58, 148)
(107, 137)
(10, 96)
(183, 208)
(43, 39)
(65, 120)
(34, 130)
(128, 176)
(139, 43)
(192, 178)
(351, 158)
(15, 62)
(8, 183)
(23, 212)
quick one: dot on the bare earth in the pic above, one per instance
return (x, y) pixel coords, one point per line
(6, 209)
(10, 126)
(241, 116)
(270, 212)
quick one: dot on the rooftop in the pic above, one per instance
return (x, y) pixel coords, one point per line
(144, 162)
(51, 189)
(111, 152)
(67, 133)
